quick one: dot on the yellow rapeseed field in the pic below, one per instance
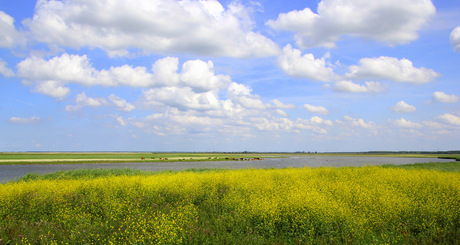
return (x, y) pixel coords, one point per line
(321, 205)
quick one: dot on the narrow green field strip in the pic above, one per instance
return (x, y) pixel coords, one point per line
(62, 158)
(439, 166)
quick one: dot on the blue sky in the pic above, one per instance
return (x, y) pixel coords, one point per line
(144, 75)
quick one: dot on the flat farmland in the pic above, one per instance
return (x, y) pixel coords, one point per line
(114, 157)
(8, 158)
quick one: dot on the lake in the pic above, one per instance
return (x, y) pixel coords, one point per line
(10, 172)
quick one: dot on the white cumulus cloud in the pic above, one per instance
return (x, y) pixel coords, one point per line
(174, 122)
(65, 68)
(390, 68)
(200, 76)
(120, 120)
(121, 104)
(183, 109)
(51, 76)
(52, 88)
(359, 122)
(295, 64)
(9, 35)
(4, 70)
(116, 26)
(455, 38)
(391, 21)
(403, 123)
(182, 98)
(281, 113)
(442, 97)
(280, 105)
(351, 87)
(315, 124)
(450, 118)
(241, 94)
(316, 109)
(82, 100)
(165, 71)
(403, 107)
(78, 69)
(125, 75)
(28, 120)
(319, 121)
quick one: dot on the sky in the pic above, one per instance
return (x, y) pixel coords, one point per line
(269, 76)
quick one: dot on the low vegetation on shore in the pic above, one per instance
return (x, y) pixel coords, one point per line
(12, 158)
(359, 205)
(122, 157)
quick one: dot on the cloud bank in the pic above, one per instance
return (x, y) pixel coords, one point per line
(392, 22)
(116, 26)
(50, 77)
(390, 68)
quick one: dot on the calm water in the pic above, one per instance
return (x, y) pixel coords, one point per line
(10, 172)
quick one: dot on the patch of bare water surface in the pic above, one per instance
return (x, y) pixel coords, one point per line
(11, 172)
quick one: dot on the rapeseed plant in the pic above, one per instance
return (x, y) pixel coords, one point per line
(321, 205)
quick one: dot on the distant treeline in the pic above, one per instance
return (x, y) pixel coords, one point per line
(413, 152)
(358, 152)
(253, 152)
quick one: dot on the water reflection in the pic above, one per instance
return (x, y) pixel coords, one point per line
(10, 172)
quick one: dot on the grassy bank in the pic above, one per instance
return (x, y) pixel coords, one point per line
(439, 166)
(367, 205)
(456, 157)
(123, 157)
(87, 174)
(115, 157)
